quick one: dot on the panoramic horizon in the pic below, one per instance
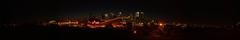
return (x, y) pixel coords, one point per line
(120, 20)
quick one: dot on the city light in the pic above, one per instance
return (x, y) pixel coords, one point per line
(134, 31)
(120, 20)
(52, 21)
(160, 24)
(116, 21)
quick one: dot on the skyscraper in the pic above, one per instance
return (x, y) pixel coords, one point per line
(139, 14)
(119, 14)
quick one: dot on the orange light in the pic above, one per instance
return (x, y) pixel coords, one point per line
(95, 26)
(160, 24)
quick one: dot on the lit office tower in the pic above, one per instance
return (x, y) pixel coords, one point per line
(142, 13)
(112, 14)
(119, 13)
(138, 14)
(106, 15)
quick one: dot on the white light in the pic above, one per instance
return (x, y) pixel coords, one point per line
(137, 13)
(97, 22)
(142, 12)
(52, 21)
(111, 14)
(106, 15)
(120, 13)
(141, 23)
(134, 31)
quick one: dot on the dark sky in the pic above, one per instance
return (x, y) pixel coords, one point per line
(195, 11)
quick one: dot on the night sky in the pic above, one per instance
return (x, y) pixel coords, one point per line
(190, 11)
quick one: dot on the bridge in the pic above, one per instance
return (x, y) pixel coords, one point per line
(114, 22)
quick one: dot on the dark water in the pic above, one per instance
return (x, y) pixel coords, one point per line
(31, 32)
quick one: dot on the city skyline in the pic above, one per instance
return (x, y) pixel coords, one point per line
(205, 11)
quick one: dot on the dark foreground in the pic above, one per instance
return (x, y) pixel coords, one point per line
(31, 32)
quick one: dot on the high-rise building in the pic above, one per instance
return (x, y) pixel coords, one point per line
(139, 14)
(106, 15)
(119, 14)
